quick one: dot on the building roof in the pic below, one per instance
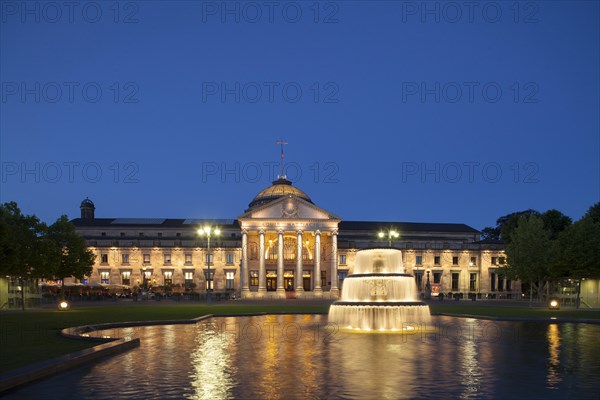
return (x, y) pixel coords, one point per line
(405, 226)
(344, 226)
(152, 222)
(280, 188)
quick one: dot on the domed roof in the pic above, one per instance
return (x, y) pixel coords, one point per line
(87, 203)
(280, 188)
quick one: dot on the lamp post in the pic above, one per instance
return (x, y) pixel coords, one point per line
(208, 231)
(391, 234)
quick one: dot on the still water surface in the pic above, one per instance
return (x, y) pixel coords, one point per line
(303, 357)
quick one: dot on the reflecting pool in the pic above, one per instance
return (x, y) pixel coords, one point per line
(304, 357)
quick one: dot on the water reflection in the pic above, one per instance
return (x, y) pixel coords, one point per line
(211, 362)
(553, 335)
(298, 357)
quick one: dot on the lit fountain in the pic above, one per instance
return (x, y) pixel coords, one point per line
(379, 296)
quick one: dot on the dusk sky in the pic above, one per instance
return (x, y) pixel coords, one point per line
(394, 111)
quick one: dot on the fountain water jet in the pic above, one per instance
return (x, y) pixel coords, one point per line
(379, 295)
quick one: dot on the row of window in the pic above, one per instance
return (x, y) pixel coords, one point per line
(168, 278)
(229, 258)
(497, 283)
(437, 260)
(288, 280)
(159, 234)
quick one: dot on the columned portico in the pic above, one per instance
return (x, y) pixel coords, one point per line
(244, 265)
(296, 231)
(262, 273)
(334, 262)
(280, 288)
(317, 268)
(299, 255)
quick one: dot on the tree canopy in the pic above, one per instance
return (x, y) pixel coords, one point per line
(30, 249)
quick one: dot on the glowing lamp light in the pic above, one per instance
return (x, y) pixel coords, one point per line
(554, 304)
(381, 234)
(64, 306)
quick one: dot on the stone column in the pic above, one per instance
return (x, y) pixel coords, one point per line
(335, 291)
(280, 288)
(317, 271)
(299, 283)
(262, 273)
(244, 267)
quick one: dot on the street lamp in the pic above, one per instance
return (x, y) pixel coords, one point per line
(391, 234)
(208, 231)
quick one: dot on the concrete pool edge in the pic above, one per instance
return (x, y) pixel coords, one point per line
(549, 320)
(110, 346)
(47, 368)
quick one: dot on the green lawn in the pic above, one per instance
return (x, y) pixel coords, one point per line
(33, 336)
(513, 311)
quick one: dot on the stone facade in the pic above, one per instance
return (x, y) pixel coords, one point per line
(284, 245)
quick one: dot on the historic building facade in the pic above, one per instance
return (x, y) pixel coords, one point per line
(284, 245)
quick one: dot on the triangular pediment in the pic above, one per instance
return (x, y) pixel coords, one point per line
(289, 207)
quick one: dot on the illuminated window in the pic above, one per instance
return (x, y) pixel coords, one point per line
(168, 275)
(472, 282)
(189, 279)
(104, 277)
(125, 277)
(229, 279)
(455, 276)
(210, 283)
(253, 278)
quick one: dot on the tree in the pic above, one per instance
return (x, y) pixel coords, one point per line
(74, 258)
(593, 213)
(555, 222)
(24, 251)
(490, 233)
(528, 252)
(508, 223)
(575, 251)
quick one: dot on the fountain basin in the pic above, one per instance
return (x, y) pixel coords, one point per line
(380, 297)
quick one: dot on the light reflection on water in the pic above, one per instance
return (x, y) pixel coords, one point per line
(301, 357)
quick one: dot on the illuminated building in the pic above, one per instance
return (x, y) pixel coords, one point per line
(284, 245)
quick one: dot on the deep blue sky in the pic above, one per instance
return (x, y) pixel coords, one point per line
(373, 128)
